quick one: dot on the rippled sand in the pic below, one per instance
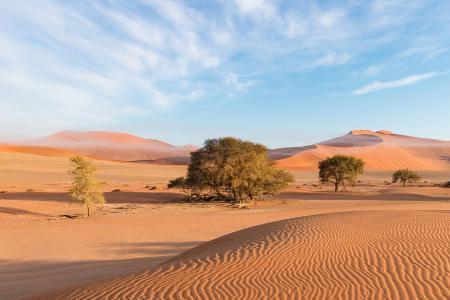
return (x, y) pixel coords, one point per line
(352, 255)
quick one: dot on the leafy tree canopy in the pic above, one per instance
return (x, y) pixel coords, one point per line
(340, 169)
(229, 168)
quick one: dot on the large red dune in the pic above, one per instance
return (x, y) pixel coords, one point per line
(111, 146)
(381, 150)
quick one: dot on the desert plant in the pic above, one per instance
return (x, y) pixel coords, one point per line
(178, 182)
(85, 187)
(231, 169)
(447, 184)
(340, 169)
(405, 176)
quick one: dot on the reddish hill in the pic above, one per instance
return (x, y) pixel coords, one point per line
(380, 150)
(111, 146)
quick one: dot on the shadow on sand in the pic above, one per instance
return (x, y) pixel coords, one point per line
(111, 197)
(361, 196)
(19, 211)
(20, 279)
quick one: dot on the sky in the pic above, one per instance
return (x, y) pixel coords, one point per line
(282, 73)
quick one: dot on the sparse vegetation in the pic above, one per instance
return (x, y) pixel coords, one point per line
(85, 187)
(231, 169)
(405, 176)
(339, 170)
(447, 184)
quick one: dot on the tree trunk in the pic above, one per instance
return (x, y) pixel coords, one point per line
(336, 186)
(88, 210)
(404, 183)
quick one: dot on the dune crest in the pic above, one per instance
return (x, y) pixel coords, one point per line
(382, 150)
(353, 255)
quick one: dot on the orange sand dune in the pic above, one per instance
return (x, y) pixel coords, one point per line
(47, 151)
(111, 146)
(380, 150)
(352, 255)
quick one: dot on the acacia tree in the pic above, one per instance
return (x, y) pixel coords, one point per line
(85, 187)
(229, 168)
(340, 169)
(405, 176)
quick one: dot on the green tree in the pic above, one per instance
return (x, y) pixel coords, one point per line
(340, 169)
(229, 168)
(405, 176)
(85, 187)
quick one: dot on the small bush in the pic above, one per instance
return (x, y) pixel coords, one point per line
(405, 176)
(447, 184)
(85, 187)
(116, 191)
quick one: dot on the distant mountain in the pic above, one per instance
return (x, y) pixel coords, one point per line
(381, 150)
(111, 146)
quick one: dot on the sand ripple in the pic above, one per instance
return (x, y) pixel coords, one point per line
(355, 255)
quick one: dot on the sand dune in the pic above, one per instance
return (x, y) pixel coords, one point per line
(110, 146)
(380, 150)
(46, 151)
(353, 255)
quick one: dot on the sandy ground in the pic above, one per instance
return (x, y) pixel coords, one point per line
(42, 252)
(352, 255)
(22, 172)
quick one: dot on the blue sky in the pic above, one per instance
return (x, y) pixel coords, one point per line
(282, 73)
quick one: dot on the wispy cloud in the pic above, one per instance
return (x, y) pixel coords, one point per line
(236, 82)
(259, 9)
(378, 85)
(70, 63)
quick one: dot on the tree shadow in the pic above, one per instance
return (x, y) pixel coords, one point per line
(18, 211)
(358, 196)
(111, 197)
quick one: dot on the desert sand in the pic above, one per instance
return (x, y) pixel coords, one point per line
(356, 255)
(135, 232)
(126, 248)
